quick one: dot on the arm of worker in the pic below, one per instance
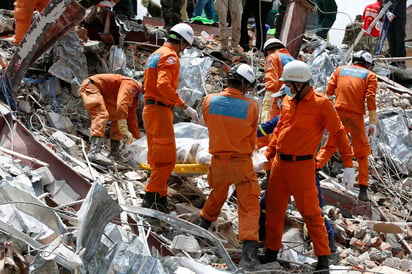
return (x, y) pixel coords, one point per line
(125, 98)
(372, 86)
(132, 120)
(167, 80)
(273, 71)
(267, 105)
(191, 113)
(335, 127)
(124, 130)
(267, 127)
(332, 83)
(271, 148)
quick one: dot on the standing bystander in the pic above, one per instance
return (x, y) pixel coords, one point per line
(259, 9)
(327, 10)
(234, 8)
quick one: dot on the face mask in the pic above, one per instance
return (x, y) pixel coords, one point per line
(279, 103)
(289, 92)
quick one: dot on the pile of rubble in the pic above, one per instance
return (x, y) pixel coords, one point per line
(61, 213)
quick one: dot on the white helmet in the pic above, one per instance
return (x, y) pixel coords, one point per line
(242, 71)
(185, 31)
(296, 71)
(362, 56)
(272, 42)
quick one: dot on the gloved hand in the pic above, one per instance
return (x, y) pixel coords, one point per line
(124, 130)
(269, 154)
(145, 3)
(259, 161)
(390, 16)
(371, 130)
(190, 112)
(348, 177)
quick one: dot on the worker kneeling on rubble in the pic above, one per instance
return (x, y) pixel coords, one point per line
(161, 76)
(232, 121)
(304, 116)
(353, 85)
(110, 97)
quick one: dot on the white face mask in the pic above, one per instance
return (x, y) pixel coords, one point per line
(289, 92)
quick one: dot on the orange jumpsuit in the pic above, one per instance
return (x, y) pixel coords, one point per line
(232, 120)
(111, 97)
(352, 86)
(160, 81)
(274, 68)
(294, 144)
(23, 14)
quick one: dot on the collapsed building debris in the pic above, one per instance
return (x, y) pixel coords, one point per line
(60, 211)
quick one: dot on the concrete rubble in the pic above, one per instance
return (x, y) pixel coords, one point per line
(60, 213)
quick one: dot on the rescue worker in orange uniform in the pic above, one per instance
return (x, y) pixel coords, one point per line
(353, 85)
(160, 81)
(23, 14)
(110, 97)
(304, 116)
(227, 113)
(277, 56)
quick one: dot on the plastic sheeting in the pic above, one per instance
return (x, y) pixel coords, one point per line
(395, 140)
(192, 145)
(193, 71)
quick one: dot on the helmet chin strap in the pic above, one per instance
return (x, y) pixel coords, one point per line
(299, 91)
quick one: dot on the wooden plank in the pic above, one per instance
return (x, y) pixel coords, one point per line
(294, 25)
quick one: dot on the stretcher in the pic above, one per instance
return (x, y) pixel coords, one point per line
(184, 169)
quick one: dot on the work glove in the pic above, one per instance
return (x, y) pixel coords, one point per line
(371, 130)
(190, 112)
(145, 3)
(259, 161)
(122, 123)
(390, 16)
(348, 177)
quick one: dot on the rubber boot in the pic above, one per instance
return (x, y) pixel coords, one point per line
(115, 150)
(95, 154)
(153, 200)
(334, 256)
(264, 183)
(262, 217)
(323, 265)
(269, 257)
(204, 223)
(249, 259)
(363, 193)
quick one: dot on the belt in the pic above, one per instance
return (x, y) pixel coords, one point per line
(288, 157)
(231, 157)
(154, 102)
